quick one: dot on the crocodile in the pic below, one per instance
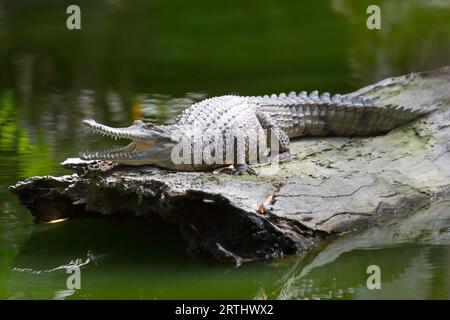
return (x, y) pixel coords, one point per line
(244, 123)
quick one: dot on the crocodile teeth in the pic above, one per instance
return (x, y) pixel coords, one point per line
(109, 155)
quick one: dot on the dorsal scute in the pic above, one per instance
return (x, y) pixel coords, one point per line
(218, 112)
(313, 98)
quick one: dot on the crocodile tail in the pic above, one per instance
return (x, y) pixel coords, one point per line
(336, 115)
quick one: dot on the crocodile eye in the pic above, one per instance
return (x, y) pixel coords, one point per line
(148, 125)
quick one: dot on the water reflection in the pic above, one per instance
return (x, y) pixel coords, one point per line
(413, 256)
(131, 259)
(123, 258)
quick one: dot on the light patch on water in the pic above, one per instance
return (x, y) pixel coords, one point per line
(78, 262)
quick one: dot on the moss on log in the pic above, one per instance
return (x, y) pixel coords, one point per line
(332, 185)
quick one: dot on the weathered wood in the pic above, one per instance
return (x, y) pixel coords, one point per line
(332, 185)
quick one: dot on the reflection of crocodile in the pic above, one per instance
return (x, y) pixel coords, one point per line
(285, 116)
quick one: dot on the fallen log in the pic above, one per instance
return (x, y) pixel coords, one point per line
(332, 185)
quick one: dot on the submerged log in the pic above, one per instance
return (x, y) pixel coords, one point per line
(332, 185)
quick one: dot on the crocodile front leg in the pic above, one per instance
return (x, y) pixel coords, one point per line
(240, 165)
(270, 124)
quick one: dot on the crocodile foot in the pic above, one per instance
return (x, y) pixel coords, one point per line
(243, 168)
(235, 170)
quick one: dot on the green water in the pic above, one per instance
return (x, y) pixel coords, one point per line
(151, 59)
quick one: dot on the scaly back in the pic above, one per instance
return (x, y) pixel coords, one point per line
(302, 114)
(220, 113)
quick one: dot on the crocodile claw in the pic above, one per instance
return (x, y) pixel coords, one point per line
(240, 169)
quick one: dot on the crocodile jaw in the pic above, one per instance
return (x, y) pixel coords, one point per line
(135, 153)
(134, 132)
